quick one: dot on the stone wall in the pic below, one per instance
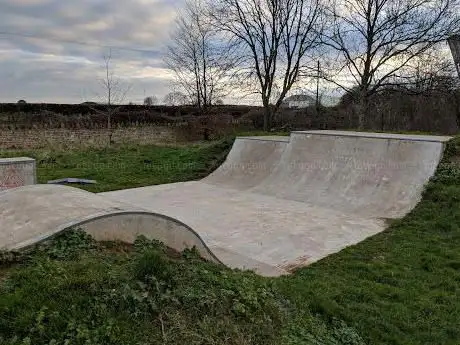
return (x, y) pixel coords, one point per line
(61, 138)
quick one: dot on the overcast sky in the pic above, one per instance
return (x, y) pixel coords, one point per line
(48, 68)
(52, 50)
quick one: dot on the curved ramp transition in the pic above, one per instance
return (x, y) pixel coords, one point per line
(275, 204)
(31, 214)
(371, 175)
(250, 161)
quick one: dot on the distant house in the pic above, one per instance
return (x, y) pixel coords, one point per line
(299, 101)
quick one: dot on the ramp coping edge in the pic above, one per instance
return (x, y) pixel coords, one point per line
(376, 135)
(280, 138)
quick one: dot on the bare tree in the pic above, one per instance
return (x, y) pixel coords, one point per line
(150, 100)
(274, 38)
(376, 39)
(113, 93)
(432, 70)
(200, 62)
(454, 45)
(176, 98)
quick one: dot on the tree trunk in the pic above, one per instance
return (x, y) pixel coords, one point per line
(267, 116)
(109, 126)
(363, 109)
(382, 120)
(457, 103)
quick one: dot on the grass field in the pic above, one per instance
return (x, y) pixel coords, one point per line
(121, 167)
(399, 287)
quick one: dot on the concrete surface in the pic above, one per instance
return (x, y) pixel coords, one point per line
(410, 137)
(17, 172)
(275, 204)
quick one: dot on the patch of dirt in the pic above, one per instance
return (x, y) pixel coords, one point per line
(5, 272)
(128, 248)
(117, 247)
(173, 254)
(299, 262)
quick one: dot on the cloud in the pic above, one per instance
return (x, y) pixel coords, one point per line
(52, 50)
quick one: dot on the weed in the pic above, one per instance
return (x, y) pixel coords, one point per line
(67, 245)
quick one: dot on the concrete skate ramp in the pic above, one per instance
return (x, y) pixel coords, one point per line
(250, 161)
(315, 194)
(367, 174)
(276, 204)
(32, 214)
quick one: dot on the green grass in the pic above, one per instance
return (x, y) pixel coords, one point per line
(401, 286)
(121, 167)
(72, 290)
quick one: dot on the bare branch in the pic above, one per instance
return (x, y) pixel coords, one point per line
(113, 93)
(274, 38)
(201, 63)
(378, 39)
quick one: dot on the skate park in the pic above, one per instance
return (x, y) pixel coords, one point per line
(276, 204)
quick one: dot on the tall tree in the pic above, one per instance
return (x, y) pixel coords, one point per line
(150, 100)
(113, 93)
(454, 44)
(432, 70)
(274, 38)
(376, 39)
(176, 98)
(200, 62)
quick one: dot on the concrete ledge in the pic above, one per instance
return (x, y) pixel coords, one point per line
(11, 160)
(17, 172)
